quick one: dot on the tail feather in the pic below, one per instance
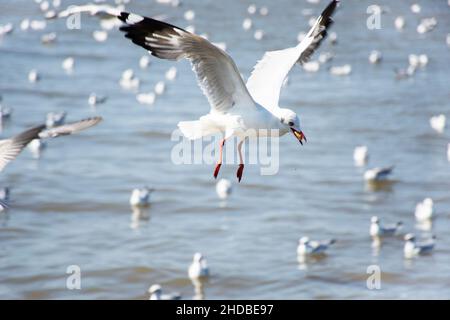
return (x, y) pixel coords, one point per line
(196, 129)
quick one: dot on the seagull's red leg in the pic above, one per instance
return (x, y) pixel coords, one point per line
(219, 162)
(241, 163)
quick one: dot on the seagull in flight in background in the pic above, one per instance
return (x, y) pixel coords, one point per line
(237, 109)
(10, 148)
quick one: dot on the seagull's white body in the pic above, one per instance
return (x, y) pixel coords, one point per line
(378, 230)
(424, 210)
(361, 156)
(223, 188)
(438, 123)
(140, 197)
(237, 109)
(412, 248)
(307, 247)
(199, 267)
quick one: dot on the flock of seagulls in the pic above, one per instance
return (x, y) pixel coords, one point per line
(236, 106)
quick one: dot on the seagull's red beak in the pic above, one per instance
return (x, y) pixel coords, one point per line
(299, 135)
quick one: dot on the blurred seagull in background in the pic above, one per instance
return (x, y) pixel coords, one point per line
(375, 57)
(413, 248)
(94, 99)
(378, 174)
(199, 267)
(223, 188)
(140, 197)
(424, 210)
(399, 23)
(438, 123)
(343, 70)
(37, 145)
(361, 156)
(236, 107)
(308, 247)
(156, 294)
(378, 230)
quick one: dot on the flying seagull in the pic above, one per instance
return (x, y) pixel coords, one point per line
(12, 147)
(237, 109)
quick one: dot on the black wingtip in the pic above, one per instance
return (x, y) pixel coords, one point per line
(328, 11)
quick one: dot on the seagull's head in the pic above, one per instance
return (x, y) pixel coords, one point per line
(290, 121)
(303, 240)
(410, 237)
(198, 257)
(375, 219)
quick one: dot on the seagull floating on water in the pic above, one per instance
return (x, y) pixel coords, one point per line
(33, 76)
(399, 23)
(128, 80)
(413, 248)
(308, 247)
(424, 210)
(94, 99)
(378, 230)
(223, 188)
(146, 98)
(156, 294)
(438, 123)
(236, 108)
(378, 174)
(361, 156)
(144, 61)
(140, 197)
(199, 267)
(375, 57)
(100, 35)
(343, 70)
(247, 24)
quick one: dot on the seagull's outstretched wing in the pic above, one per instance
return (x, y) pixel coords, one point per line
(269, 73)
(217, 74)
(102, 10)
(70, 128)
(10, 148)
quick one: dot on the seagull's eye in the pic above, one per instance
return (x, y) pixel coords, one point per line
(291, 123)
